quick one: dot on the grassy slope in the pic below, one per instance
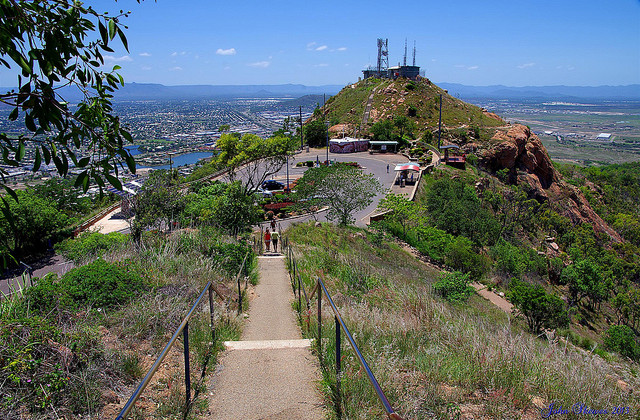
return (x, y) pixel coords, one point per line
(348, 105)
(435, 359)
(115, 347)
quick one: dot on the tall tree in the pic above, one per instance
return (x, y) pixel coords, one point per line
(158, 203)
(315, 133)
(343, 188)
(252, 159)
(34, 221)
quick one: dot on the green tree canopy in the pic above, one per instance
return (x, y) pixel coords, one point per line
(585, 279)
(158, 203)
(315, 133)
(252, 159)
(343, 188)
(50, 45)
(34, 221)
(224, 206)
(541, 309)
(384, 131)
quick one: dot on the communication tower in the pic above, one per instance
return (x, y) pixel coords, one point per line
(383, 56)
(414, 53)
(404, 62)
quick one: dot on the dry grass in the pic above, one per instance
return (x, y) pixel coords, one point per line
(434, 359)
(119, 345)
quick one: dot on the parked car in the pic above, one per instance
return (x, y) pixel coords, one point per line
(272, 185)
(264, 193)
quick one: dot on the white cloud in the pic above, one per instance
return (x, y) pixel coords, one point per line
(176, 68)
(526, 65)
(174, 54)
(145, 54)
(145, 68)
(230, 51)
(310, 45)
(473, 68)
(321, 48)
(342, 49)
(321, 65)
(117, 59)
(261, 64)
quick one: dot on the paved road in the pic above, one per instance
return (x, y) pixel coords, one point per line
(271, 373)
(51, 263)
(374, 164)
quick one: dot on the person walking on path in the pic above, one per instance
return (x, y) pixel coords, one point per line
(267, 240)
(387, 168)
(274, 240)
(273, 225)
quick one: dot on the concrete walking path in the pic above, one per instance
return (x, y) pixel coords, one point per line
(270, 373)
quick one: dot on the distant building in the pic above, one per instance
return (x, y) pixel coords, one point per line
(604, 136)
(383, 71)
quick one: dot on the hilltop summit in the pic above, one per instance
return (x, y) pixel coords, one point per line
(498, 145)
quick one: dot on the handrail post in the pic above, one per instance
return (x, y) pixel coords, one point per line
(187, 371)
(213, 328)
(319, 322)
(299, 296)
(239, 297)
(338, 370)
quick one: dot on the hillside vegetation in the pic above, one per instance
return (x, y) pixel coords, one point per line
(77, 346)
(417, 100)
(439, 359)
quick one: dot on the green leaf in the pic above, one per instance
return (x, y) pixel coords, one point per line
(82, 180)
(28, 121)
(38, 161)
(14, 114)
(131, 163)
(83, 162)
(114, 181)
(11, 192)
(103, 33)
(20, 152)
(123, 39)
(112, 28)
(46, 154)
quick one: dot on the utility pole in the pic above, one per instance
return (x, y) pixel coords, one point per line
(327, 143)
(440, 122)
(301, 131)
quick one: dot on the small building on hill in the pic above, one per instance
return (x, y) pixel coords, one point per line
(407, 72)
(348, 145)
(457, 161)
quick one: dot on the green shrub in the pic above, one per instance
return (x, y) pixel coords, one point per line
(101, 284)
(462, 256)
(230, 257)
(541, 309)
(620, 338)
(453, 287)
(44, 296)
(91, 245)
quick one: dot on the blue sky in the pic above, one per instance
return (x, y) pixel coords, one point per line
(515, 42)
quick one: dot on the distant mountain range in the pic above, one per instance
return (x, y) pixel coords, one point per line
(628, 92)
(149, 91)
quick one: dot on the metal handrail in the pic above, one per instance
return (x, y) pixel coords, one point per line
(184, 327)
(320, 288)
(374, 382)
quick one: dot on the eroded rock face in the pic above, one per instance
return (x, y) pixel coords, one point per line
(518, 149)
(522, 152)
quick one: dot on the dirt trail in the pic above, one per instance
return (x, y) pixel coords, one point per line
(270, 373)
(502, 303)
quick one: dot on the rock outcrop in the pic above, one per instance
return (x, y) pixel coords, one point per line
(521, 152)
